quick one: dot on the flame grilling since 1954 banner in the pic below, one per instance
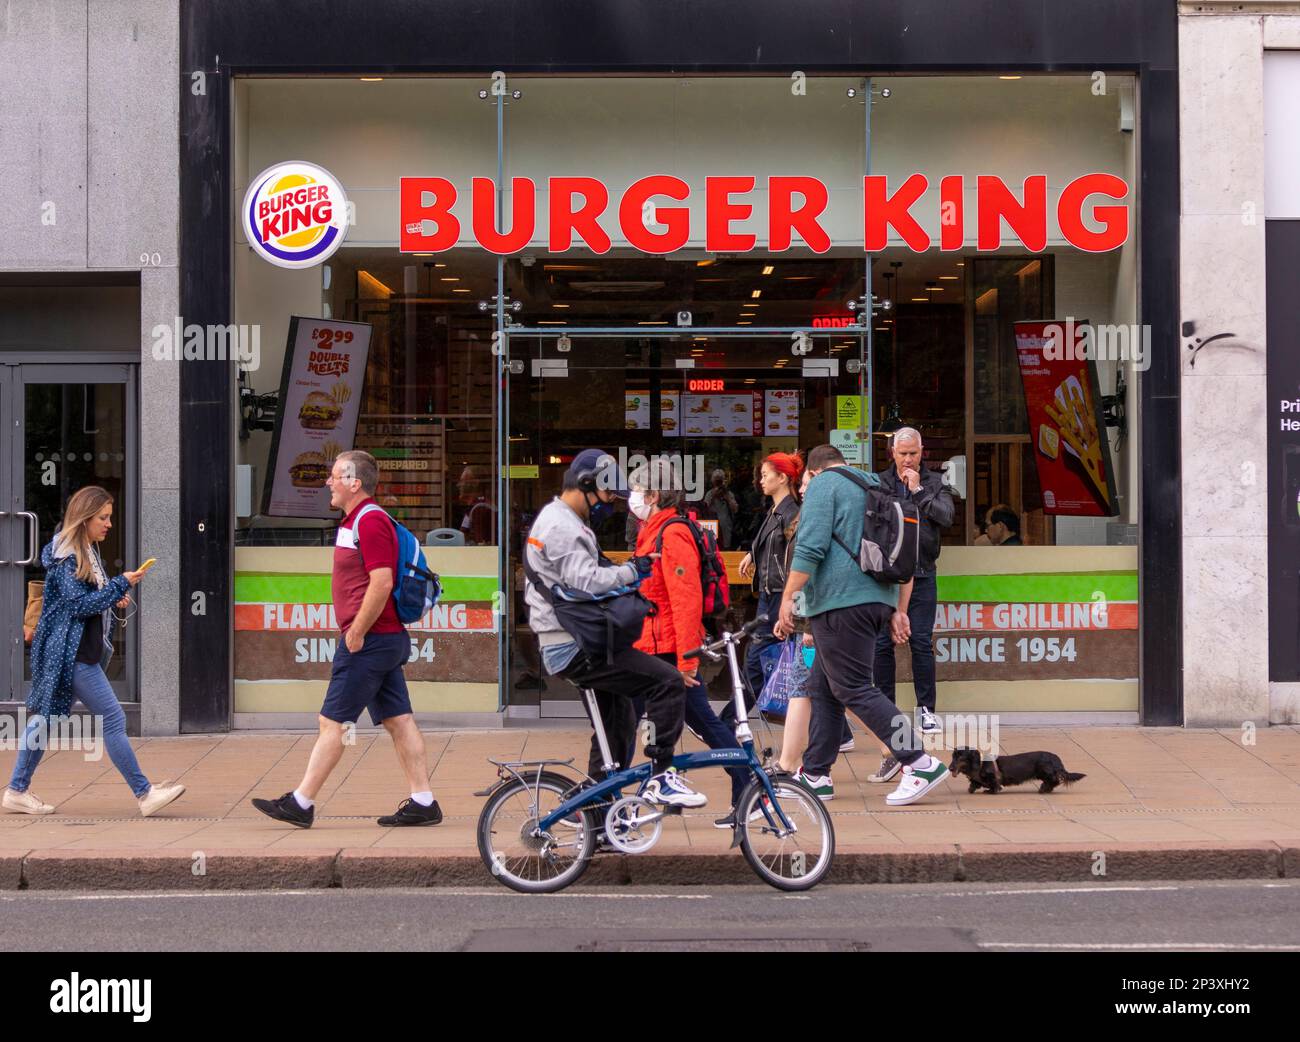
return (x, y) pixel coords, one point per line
(1067, 432)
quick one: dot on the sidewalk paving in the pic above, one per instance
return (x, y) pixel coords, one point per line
(1157, 802)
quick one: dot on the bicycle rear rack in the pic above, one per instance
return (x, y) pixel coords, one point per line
(514, 767)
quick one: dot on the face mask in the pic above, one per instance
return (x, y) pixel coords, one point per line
(637, 504)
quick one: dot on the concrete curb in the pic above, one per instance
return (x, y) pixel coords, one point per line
(368, 868)
(168, 870)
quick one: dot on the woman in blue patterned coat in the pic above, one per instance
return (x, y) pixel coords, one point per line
(73, 643)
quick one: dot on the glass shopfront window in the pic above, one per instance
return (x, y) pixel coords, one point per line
(643, 353)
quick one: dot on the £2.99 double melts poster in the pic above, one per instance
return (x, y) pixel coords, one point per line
(1066, 428)
(320, 400)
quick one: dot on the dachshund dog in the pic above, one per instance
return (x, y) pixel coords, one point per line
(1011, 770)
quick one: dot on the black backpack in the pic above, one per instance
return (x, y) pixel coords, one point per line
(891, 533)
(713, 569)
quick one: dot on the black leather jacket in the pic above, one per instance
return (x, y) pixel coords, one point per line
(769, 551)
(933, 503)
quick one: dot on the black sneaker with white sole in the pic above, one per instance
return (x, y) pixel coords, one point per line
(889, 767)
(411, 813)
(286, 809)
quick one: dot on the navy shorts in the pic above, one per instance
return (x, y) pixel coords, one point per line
(369, 679)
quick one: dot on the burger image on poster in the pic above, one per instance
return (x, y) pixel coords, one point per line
(320, 412)
(309, 470)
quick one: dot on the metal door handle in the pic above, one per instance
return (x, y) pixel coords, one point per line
(4, 513)
(34, 530)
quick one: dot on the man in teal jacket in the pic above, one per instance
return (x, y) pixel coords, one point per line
(846, 609)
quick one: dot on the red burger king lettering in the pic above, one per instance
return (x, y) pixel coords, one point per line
(297, 208)
(794, 207)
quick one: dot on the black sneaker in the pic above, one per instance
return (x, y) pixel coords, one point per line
(286, 809)
(411, 813)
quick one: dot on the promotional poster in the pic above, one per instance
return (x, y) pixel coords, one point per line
(1071, 450)
(320, 399)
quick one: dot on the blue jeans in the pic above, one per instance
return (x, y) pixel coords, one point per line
(769, 604)
(700, 717)
(920, 613)
(92, 689)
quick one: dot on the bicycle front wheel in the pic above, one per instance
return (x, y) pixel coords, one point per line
(795, 859)
(525, 862)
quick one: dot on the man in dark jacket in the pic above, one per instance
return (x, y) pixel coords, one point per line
(910, 478)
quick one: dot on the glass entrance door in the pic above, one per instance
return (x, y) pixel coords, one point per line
(62, 427)
(716, 402)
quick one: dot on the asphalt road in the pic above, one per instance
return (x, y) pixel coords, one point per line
(1228, 916)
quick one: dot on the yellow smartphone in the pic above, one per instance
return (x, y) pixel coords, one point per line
(147, 565)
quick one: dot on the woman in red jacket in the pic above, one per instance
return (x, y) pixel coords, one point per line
(676, 625)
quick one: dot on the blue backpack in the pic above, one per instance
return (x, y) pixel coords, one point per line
(415, 588)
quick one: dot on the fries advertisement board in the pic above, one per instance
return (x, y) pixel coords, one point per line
(1071, 446)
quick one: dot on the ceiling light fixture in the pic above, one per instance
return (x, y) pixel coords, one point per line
(768, 269)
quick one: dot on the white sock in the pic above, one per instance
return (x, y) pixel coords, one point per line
(303, 801)
(923, 764)
(424, 799)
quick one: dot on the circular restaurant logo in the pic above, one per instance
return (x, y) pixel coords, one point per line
(295, 214)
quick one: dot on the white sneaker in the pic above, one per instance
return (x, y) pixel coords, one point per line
(848, 746)
(670, 789)
(927, 722)
(822, 786)
(915, 783)
(25, 803)
(159, 796)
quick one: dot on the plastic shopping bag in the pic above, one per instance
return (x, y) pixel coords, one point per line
(787, 680)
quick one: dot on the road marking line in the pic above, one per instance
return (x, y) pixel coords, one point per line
(1057, 890)
(1153, 946)
(432, 891)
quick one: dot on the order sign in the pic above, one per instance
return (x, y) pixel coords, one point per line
(320, 400)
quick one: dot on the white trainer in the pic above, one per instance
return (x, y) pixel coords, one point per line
(25, 803)
(670, 789)
(159, 796)
(916, 782)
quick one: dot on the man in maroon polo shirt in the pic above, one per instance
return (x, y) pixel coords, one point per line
(370, 654)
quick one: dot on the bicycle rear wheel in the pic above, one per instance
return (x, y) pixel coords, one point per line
(795, 860)
(534, 864)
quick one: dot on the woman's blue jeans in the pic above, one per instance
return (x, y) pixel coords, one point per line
(92, 688)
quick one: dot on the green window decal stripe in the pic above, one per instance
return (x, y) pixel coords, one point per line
(251, 588)
(1040, 586)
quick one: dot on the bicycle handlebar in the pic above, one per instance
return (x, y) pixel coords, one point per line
(744, 631)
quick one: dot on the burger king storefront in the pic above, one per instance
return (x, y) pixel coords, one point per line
(473, 254)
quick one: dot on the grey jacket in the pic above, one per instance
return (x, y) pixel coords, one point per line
(562, 548)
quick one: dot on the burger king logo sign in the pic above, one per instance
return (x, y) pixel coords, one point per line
(295, 214)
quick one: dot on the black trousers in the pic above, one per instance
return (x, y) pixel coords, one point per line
(842, 679)
(632, 674)
(921, 610)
